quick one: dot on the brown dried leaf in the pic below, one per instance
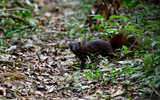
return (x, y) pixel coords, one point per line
(12, 75)
(105, 8)
(2, 91)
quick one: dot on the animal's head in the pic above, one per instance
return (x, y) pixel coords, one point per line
(74, 46)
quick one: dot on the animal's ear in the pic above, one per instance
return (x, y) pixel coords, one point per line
(79, 43)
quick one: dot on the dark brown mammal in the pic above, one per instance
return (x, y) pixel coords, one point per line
(99, 47)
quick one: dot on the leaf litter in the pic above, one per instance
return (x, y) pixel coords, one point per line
(39, 67)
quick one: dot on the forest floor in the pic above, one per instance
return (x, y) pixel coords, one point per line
(39, 66)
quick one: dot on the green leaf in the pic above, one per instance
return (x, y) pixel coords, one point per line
(129, 36)
(150, 26)
(118, 17)
(29, 3)
(128, 70)
(112, 76)
(74, 67)
(111, 30)
(142, 51)
(32, 21)
(89, 36)
(96, 16)
(136, 53)
(136, 75)
(112, 23)
(125, 49)
(6, 33)
(132, 28)
(157, 79)
(88, 74)
(104, 81)
(6, 22)
(154, 43)
(98, 74)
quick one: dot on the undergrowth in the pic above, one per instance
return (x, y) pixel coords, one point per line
(15, 22)
(146, 65)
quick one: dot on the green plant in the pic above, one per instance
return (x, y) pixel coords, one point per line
(138, 24)
(17, 22)
(73, 65)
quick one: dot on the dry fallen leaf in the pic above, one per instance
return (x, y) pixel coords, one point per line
(12, 75)
(105, 8)
(2, 91)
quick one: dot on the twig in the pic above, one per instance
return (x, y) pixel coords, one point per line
(136, 12)
(39, 58)
(63, 56)
(1, 28)
(154, 89)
